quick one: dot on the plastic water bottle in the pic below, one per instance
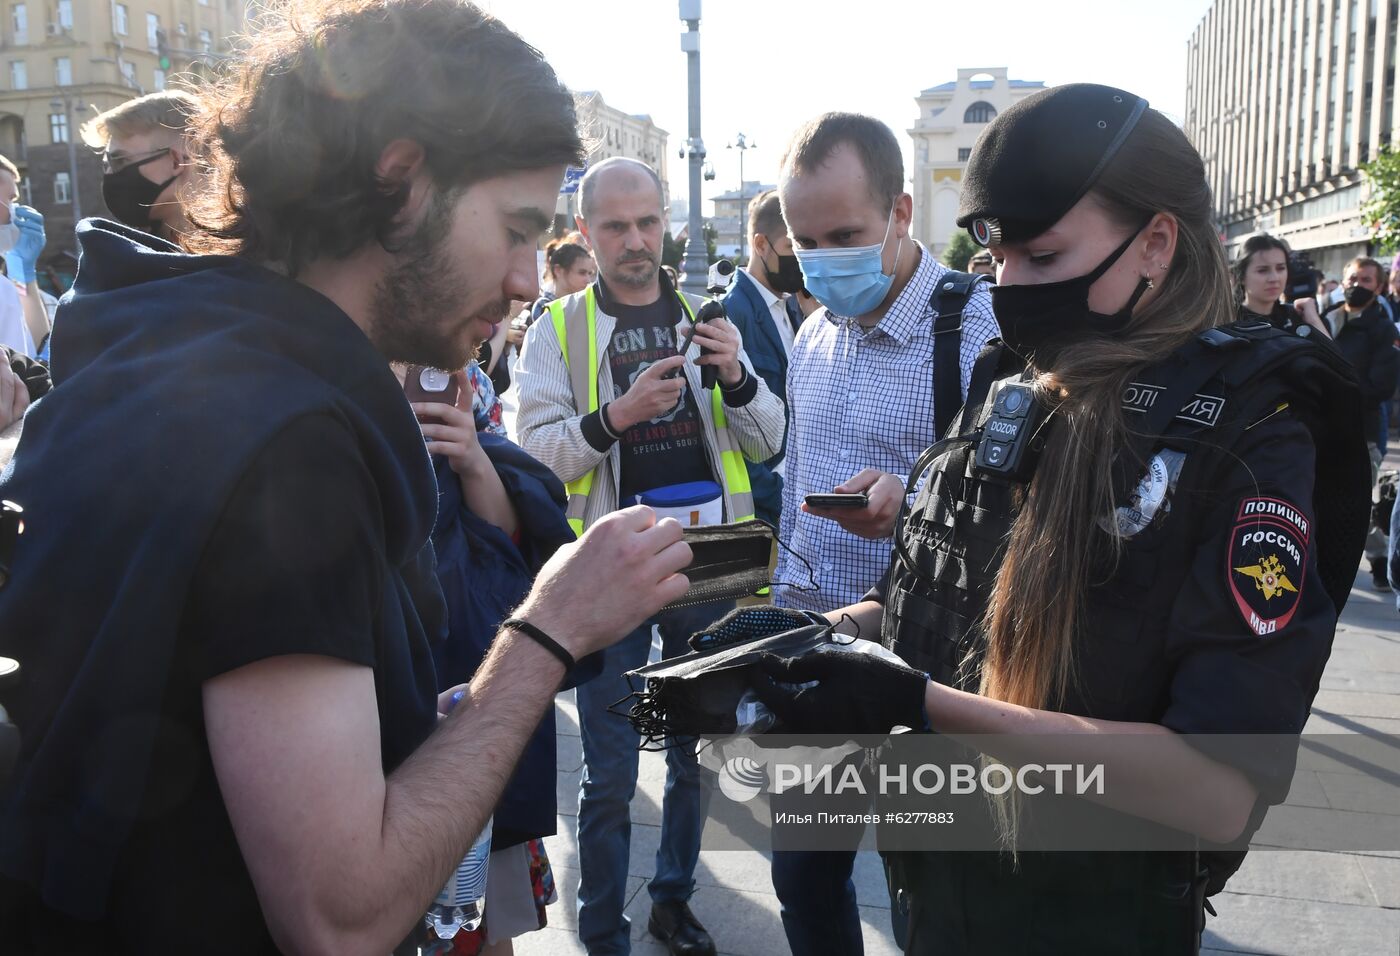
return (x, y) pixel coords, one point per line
(462, 901)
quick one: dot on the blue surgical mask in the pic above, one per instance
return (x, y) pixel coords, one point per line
(849, 282)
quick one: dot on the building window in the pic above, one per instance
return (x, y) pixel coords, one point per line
(19, 75)
(129, 73)
(58, 128)
(964, 154)
(153, 31)
(65, 14)
(62, 189)
(62, 71)
(19, 19)
(119, 20)
(158, 81)
(980, 112)
(206, 41)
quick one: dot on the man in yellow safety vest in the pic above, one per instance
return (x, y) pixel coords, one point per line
(606, 401)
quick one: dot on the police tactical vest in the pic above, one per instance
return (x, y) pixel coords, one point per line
(575, 321)
(1226, 379)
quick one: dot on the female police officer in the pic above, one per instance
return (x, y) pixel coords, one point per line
(1145, 522)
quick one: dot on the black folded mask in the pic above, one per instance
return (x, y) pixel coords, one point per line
(701, 694)
(730, 561)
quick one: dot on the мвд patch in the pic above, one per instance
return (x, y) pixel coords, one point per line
(1267, 557)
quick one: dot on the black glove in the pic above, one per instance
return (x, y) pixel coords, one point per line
(750, 623)
(855, 693)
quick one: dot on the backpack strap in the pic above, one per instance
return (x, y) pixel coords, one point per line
(948, 302)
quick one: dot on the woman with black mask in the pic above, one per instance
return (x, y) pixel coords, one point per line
(1261, 278)
(1142, 526)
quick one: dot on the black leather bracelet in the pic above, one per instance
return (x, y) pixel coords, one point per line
(542, 639)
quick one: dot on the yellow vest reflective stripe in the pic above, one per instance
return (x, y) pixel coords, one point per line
(580, 338)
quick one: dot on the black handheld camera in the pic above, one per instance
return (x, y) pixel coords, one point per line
(1302, 277)
(721, 275)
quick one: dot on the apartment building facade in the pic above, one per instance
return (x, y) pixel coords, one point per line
(1285, 100)
(64, 61)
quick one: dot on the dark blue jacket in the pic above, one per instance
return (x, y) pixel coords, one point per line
(484, 575)
(172, 372)
(745, 307)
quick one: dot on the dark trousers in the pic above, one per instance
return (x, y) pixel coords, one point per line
(816, 895)
(1089, 904)
(818, 901)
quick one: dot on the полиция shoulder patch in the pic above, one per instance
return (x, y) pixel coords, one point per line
(1268, 556)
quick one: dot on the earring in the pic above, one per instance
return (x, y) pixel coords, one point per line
(1150, 283)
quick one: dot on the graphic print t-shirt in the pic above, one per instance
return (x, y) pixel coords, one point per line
(670, 449)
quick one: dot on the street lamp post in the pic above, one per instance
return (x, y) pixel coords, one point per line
(67, 104)
(696, 264)
(743, 146)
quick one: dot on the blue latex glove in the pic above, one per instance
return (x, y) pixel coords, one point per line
(20, 261)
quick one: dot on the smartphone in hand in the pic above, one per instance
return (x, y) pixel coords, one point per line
(861, 500)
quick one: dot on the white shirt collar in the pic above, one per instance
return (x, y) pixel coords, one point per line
(769, 298)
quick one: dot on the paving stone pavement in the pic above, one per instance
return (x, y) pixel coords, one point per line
(1281, 903)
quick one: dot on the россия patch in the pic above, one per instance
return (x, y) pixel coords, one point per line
(1267, 558)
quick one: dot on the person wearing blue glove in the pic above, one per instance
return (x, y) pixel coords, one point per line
(24, 324)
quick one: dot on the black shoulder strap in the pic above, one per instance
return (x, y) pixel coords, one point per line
(1244, 354)
(1187, 370)
(947, 303)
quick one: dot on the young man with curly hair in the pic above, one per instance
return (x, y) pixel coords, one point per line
(223, 601)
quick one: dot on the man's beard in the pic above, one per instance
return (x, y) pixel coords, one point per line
(409, 314)
(636, 280)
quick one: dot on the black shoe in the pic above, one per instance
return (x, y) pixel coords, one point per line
(675, 925)
(1379, 580)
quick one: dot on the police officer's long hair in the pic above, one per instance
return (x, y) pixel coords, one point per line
(1060, 545)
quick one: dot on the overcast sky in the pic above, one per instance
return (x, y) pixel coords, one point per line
(768, 65)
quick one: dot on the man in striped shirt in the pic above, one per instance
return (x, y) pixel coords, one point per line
(860, 399)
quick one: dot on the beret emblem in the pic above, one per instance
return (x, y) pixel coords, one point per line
(986, 231)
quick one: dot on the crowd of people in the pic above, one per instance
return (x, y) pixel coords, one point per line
(292, 603)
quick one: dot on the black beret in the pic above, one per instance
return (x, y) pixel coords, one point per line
(1039, 157)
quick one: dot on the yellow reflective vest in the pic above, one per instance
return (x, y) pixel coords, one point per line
(581, 338)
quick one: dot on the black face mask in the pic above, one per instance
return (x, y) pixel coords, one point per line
(1358, 296)
(788, 278)
(129, 195)
(1041, 319)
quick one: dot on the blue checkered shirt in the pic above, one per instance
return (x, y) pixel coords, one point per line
(859, 399)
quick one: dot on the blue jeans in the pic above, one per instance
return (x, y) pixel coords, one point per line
(610, 780)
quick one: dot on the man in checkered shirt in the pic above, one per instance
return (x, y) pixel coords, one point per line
(860, 400)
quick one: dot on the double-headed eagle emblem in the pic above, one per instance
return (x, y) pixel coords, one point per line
(1269, 577)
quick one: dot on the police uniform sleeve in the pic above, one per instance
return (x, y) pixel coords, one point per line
(295, 564)
(1252, 628)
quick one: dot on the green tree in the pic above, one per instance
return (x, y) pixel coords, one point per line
(1382, 211)
(960, 249)
(672, 251)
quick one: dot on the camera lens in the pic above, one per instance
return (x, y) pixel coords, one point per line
(433, 380)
